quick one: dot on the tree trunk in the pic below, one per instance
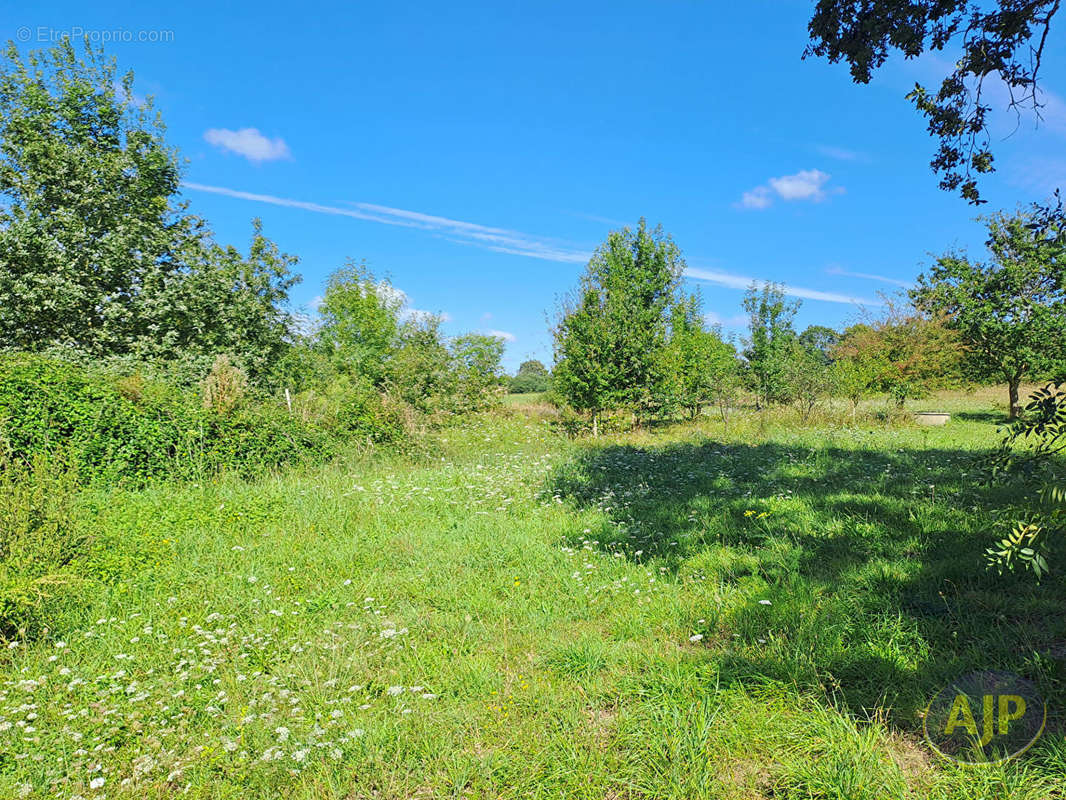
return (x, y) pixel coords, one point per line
(1012, 389)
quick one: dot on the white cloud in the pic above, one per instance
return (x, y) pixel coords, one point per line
(741, 282)
(507, 337)
(804, 185)
(734, 321)
(759, 197)
(402, 302)
(498, 240)
(840, 153)
(807, 184)
(835, 270)
(248, 142)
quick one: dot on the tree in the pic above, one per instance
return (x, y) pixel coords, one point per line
(1010, 312)
(96, 251)
(853, 372)
(698, 361)
(610, 335)
(820, 340)
(771, 340)
(478, 375)
(914, 352)
(91, 239)
(360, 321)
(420, 369)
(1001, 40)
(244, 299)
(806, 377)
(532, 376)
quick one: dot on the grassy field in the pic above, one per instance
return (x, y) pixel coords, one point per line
(737, 610)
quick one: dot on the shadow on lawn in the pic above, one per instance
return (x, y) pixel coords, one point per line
(874, 558)
(996, 417)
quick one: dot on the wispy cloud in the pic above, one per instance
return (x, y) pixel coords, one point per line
(248, 142)
(614, 223)
(1042, 174)
(733, 321)
(499, 240)
(840, 153)
(505, 335)
(732, 281)
(807, 184)
(835, 270)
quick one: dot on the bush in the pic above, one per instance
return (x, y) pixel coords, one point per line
(133, 428)
(528, 384)
(40, 541)
(225, 386)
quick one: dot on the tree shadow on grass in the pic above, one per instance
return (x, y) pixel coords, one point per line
(995, 417)
(874, 560)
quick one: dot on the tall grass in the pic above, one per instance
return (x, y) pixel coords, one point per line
(513, 613)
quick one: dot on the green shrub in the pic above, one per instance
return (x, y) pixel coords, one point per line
(132, 428)
(354, 409)
(40, 541)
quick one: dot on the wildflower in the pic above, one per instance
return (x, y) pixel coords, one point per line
(696, 637)
(96, 783)
(765, 603)
(395, 690)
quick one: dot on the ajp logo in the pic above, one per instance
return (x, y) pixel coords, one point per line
(985, 718)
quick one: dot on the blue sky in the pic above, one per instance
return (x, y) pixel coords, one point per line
(477, 152)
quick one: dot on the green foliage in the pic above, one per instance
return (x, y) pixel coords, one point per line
(40, 540)
(137, 429)
(820, 339)
(87, 181)
(701, 368)
(910, 352)
(771, 343)
(998, 41)
(420, 369)
(476, 371)
(852, 375)
(610, 336)
(807, 378)
(1011, 312)
(1031, 448)
(96, 250)
(532, 376)
(360, 321)
(239, 304)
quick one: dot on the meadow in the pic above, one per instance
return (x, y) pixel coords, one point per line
(745, 608)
